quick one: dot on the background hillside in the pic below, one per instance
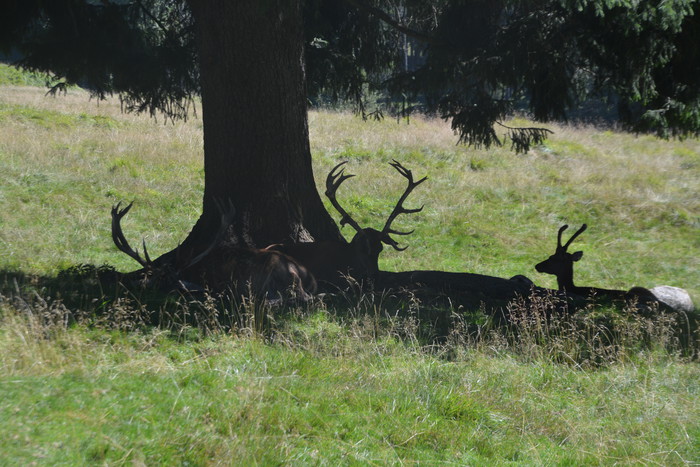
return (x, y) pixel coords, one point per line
(66, 160)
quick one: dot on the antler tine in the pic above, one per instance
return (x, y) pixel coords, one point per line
(333, 181)
(145, 251)
(573, 237)
(399, 209)
(394, 243)
(398, 232)
(406, 173)
(119, 239)
(561, 231)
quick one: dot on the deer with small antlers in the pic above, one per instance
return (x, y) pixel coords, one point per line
(332, 261)
(561, 265)
(270, 273)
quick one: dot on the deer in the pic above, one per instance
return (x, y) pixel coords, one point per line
(270, 273)
(331, 262)
(561, 265)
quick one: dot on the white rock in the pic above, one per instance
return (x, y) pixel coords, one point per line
(674, 297)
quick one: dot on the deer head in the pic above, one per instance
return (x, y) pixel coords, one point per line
(561, 263)
(368, 242)
(331, 261)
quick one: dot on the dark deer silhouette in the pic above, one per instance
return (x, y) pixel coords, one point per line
(331, 261)
(270, 274)
(561, 265)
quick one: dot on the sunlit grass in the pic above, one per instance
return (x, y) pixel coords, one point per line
(85, 380)
(329, 389)
(486, 211)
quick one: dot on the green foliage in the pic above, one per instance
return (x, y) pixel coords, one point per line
(12, 76)
(472, 62)
(141, 50)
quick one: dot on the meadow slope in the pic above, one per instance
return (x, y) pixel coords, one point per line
(66, 160)
(85, 380)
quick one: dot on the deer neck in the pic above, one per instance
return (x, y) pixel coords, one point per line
(565, 280)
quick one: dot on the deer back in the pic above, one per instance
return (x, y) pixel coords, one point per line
(267, 273)
(331, 261)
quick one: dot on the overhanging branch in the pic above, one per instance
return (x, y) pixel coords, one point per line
(153, 18)
(388, 19)
(523, 138)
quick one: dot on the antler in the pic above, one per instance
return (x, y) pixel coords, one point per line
(333, 181)
(120, 240)
(399, 209)
(573, 237)
(561, 231)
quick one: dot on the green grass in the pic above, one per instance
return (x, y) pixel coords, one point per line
(495, 212)
(11, 76)
(321, 391)
(359, 380)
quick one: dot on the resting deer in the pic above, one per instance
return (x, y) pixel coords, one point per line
(561, 264)
(330, 261)
(269, 273)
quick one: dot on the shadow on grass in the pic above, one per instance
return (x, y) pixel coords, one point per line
(97, 296)
(101, 295)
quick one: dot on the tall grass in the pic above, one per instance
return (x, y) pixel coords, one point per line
(358, 378)
(354, 384)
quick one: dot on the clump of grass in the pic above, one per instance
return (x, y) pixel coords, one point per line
(11, 76)
(591, 337)
(537, 328)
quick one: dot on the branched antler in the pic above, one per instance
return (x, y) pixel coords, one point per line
(333, 181)
(337, 176)
(399, 209)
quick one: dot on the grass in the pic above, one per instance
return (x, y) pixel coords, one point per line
(11, 76)
(328, 390)
(492, 212)
(361, 380)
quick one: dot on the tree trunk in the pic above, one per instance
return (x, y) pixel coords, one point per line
(256, 138)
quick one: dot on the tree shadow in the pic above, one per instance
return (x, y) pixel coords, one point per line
(93, 295)
(429, 316)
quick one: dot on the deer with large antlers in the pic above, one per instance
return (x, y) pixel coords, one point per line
(269, 273)
(332, 261)
(561, 265)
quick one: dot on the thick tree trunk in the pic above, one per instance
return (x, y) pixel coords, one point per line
(254, 108)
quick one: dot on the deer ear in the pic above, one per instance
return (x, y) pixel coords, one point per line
(577, 256)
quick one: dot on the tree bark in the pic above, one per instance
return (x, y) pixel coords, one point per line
(256, 138)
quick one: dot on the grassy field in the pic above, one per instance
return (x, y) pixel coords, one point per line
(84, 380)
